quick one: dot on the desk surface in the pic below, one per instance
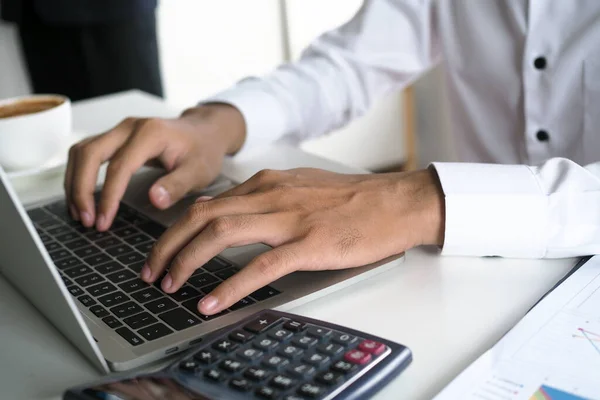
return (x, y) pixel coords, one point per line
(448, 310)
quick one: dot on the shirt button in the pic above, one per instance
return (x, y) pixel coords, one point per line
(540, 63)
(542, 136)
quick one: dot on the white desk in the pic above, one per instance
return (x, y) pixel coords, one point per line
(448, 310)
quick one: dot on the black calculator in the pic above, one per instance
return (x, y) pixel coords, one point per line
(269, 355)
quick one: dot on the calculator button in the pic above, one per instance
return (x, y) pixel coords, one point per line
(112, 322)
(329, 378)
(224, 345)
(155, 331)
(179, 319)
(214, 375)
(303, 371)
(290, 351)
(305, 342)
(343, 338)
(343, 367)
(206, 356)
(250, 354)
(240, 384)
(262, 323)
(241, 336)
(311, 390)
(189, 366)
(294, 326)
(267, 393)
(256, 374)
(140, 320)
(280, 334)
(330, 348)
(275, 362)
(357, 357)
(265, 344)
(317, 332)
(371, 346)
(282, 382)
(316, 359)
(232, 366)
(131, 337)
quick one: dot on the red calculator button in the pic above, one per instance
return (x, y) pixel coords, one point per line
(357, 357)
(371, 346)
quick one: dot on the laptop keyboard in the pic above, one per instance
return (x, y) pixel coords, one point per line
(101, 270)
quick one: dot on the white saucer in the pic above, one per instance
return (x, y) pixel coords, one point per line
(55, 164)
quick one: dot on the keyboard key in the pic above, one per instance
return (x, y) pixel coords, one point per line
(112, 322)
(77, 271)
(133, 285)
(224, 345)
(329, 378)
(75, 290)
(249, 354)
(206, 356)
(126, 231)
(96, 236)
(318, 332)
(145, 248)
(189, 366)
(87, 251)
(372, 347)
(119, 250)
(290, 351)
(311, 390)
(86, 300)
(275, 362)
(209, 288)
(137, 267)
(58, 230)
(160, 305)
(240, 384)
(101, 289)
(256, 374)
(241, 336)
(265, 344)
(140, 320)
(132, 216)
(66, 280)
(47, 224)
(330, 348)
(208, 317)
(316, 359)
(88, 280)
(152, 228)
(262, 323)
(76, 244)
(343, 366)
(305, 342)
(232, 366)
(202, 279)
(303, 371)
(280, 334)
(214, 375)
(44, 238)
(266, 392)
(155, 331)
(357, 357)
(109, 267)
(126, 309)
(138, 239)
(53, 246)
(342, 338)
(59, 209)
(66, 237)
(97, 259)
(294, 326)
(179, 319)
(121, 276)
(282, 382)
(118, 223)
(264, 293)
(67, 263)
(185, 293)
(131, 337)
(131, 258)
(38, 214)
(113, 299)
(216, 264)
(108, 242)
(226, 273)
(59, 254)
(246, 301)
(147, 295)
(99, 311)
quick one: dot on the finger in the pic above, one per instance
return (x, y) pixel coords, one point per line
(68, 183)
(172, 187)
(144, 143)
(266, 177)
(223, 233)
(87, 161)
(198, 216)
(261, 271)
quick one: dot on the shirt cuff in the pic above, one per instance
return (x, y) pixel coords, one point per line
(493, 210)
(263, 114)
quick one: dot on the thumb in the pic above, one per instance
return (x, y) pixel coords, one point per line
(172, 187)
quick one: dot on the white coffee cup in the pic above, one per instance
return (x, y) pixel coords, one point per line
(33, 129)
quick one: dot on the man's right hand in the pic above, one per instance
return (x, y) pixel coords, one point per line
(191, 148)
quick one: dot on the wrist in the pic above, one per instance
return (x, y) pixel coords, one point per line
(432, 213)
(222, 121)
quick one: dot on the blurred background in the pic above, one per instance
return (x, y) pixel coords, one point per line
(205, 46)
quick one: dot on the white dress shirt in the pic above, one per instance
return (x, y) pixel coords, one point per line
(524, 87)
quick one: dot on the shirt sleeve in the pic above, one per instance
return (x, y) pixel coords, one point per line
(384, 47)
(520, 211)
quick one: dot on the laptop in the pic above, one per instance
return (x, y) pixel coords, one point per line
(86, 283)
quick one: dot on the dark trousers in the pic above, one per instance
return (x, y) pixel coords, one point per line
(83, 61)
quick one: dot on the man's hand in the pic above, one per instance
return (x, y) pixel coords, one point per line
(313, 219)
(191, 148)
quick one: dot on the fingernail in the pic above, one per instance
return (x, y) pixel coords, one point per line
(101, 222)
(203, 198)
(86, 217)
(208, 304)
(146, 272)
(74, 212)
(167, 282)
(162, 196)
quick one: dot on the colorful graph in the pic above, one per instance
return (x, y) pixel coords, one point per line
(550, 393)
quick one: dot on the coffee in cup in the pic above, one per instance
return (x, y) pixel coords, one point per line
(33, 129)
